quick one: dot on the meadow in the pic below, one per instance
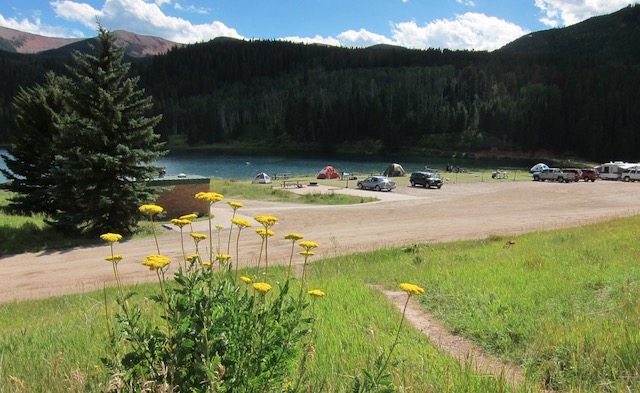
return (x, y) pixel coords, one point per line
(563, 305)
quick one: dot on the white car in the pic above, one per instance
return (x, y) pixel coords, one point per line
(377, 183)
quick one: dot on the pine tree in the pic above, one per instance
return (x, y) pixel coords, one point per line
(31, 156)
(106, 146)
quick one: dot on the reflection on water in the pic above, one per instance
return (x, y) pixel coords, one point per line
(243, 167)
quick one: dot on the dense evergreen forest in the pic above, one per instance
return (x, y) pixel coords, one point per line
(579, 102)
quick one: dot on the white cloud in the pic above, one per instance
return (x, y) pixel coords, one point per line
(143, 18)
(467, 31)
(566, 13)
(469, 3)
(362, 38)
(471, 31)
(312, 40)
(35, 27)
(191, 8)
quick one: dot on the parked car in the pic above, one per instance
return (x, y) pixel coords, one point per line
(426, 179)
(554, 174)
(577, 171)
(631, 174)
(590, 174)
(376, 183)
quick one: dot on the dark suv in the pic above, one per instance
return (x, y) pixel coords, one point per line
(426, 179)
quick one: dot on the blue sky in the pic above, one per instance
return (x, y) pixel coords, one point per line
(452, 24)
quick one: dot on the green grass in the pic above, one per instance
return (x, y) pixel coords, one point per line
(565, 305)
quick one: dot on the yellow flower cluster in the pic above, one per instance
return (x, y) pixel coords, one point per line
(222, 257)
(180, 222)
(262, 287)
(264, 233)
(267, 221)
(293, 236)
(241, 222)
(308, 245)
(316, 293)
(192, 257)
(245, 279)
(150, 210)
(411, 289)
(235, 205)
(210, 197)
(155, 261)
(307, 253)
(190, 217)
(110, 237)
(198, 236)
(114, 258)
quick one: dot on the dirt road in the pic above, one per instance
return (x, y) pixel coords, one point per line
(404, 216)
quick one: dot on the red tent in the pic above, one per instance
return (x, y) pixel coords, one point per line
(328, 172)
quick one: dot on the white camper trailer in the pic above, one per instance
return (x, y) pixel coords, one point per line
(613, 170)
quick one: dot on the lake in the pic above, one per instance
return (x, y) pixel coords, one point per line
(244, 167)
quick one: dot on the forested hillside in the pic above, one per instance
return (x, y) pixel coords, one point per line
(580, 102)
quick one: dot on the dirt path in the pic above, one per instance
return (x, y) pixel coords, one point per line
(459, 347)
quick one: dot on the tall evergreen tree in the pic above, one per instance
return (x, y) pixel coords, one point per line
(31, 155)
(84, 146)
(106, 145)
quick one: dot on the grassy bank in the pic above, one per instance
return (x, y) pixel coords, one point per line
(564, 305)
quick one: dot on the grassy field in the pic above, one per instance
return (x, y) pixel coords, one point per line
(564, 305)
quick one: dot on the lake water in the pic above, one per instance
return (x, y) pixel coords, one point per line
(246, 167)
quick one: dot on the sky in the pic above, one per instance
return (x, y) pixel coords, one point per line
(416, 24)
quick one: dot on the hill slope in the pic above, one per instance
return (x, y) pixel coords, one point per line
(135, 45)
(614, 36)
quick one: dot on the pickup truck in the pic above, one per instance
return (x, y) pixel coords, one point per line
(554, 174)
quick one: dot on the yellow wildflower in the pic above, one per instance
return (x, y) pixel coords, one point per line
(267, 221)
(114, 258)
(180, 222)
(245, 279)
(210, 197)
(190, 217)
(222, 257)
(155, 261)
(316, 293)
(241, 222)
(411, 289)
(110, 237)
(264, 233)
(293, 236)
(219, 227)
(235, 205)
(192, 257)
(308, 245)
(262, 287)
(307, 253)
(206, 264)
(150, 210)
(198, 236)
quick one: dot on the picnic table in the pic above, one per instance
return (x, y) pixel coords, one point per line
(291, 183)
(283, 176)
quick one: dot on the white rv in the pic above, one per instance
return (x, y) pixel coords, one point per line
(613, 170)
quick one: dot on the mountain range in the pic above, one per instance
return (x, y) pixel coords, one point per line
(615, 34)
(571, 91)
(135, 45)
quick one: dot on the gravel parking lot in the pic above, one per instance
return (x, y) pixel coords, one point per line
(405, 215)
